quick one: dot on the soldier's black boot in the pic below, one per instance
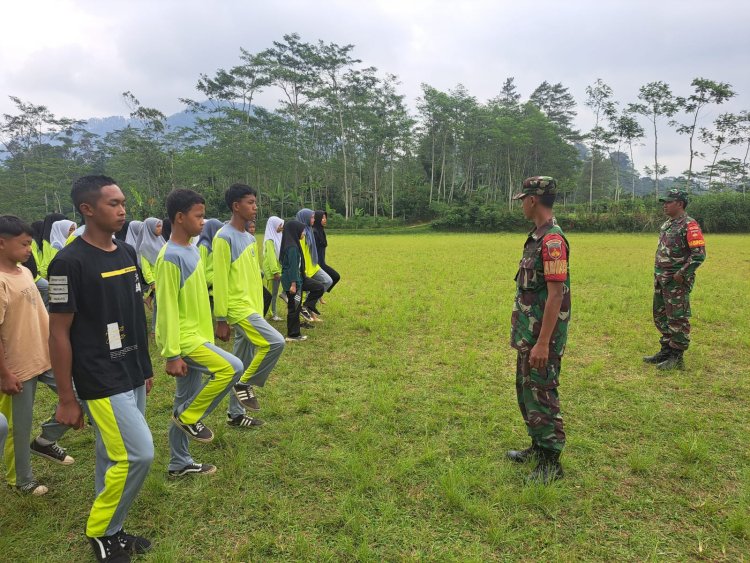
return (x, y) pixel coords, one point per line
(522, 456)
(674, 361)
(660, 356)
(548, 469)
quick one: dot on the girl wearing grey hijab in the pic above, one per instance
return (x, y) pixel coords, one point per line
(148, 246)
(312, 269)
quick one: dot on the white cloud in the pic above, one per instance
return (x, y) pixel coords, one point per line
(78, 56)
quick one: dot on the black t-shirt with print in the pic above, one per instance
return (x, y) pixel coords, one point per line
(108, 335)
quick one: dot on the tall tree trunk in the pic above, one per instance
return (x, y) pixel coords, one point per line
(343, 153)
(656, 162)
(690, 165)
(375, 188)
(393, 199)
(510, 184)
(453, 175)
(744, 168)
(632, 165)
(591, 183)
(441, 183)
(432, 167)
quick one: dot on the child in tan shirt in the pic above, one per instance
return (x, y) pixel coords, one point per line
(24, 360)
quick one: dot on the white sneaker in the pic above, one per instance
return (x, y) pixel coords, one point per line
(276, 318)
(300, 338)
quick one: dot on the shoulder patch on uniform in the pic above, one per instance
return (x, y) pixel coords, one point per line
(695, 235)
(555, 258)
(554, 247)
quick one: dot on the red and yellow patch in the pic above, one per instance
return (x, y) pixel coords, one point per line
(555, 258)
(694, 235)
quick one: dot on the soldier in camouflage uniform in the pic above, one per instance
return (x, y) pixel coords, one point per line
(539, 329)
(680, 251)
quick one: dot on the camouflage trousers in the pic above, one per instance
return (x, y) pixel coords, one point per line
(672, 312)
(536, 390)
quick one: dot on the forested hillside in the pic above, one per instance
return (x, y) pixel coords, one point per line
(343, 136)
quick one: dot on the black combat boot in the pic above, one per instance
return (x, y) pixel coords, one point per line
(674, 361)
(548, 469)
(522, 456)
(660, 356)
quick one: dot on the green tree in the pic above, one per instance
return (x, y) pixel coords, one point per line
(705, 92)
(599, 100)
(558, 104)
(656, 101)
(726, 132)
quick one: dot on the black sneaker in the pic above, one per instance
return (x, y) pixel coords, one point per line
(109, 549)
(34, 488)
(52, 452)
(198, 431)
(246, 396)
(193, 469)
(244, 421)
(305, 314)
(134, 545)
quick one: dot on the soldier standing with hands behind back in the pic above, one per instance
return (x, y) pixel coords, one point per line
(539, 329)
(680, 251)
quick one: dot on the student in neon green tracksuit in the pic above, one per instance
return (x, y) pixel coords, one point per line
(238, 302)
(98, 339)
(148, 245)
(271, 264)
(35, 262)
(206, 250)
(185, 334)
(313, 270)
(61, 231)
(45, 245)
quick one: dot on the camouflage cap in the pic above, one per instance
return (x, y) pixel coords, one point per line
(675, 194)
(537, 185)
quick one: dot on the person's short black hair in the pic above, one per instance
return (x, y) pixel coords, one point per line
(180, 200)
(11, 226)
(236, 192)
(86, 189)
(547, 200)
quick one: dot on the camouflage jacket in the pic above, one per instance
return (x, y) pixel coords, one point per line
(545, 258)
(681, 248)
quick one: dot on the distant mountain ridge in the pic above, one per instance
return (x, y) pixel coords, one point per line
(103, 125)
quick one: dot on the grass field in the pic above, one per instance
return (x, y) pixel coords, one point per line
(386, 431)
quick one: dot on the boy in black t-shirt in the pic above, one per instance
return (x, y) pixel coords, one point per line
(98, 340)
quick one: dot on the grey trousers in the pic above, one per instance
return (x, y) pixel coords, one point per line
(19, 411)
(43, 286)
(258, 345)
(274, 294)
(323, 277)
(193, 389)
(3, 431)
(124, 453)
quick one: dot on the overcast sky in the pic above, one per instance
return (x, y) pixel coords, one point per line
(78, 56)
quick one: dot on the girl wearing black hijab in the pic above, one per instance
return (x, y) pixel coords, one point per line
(293, 279)
(123, 233)
(321, 243)
(166, 228)
(36, 249)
